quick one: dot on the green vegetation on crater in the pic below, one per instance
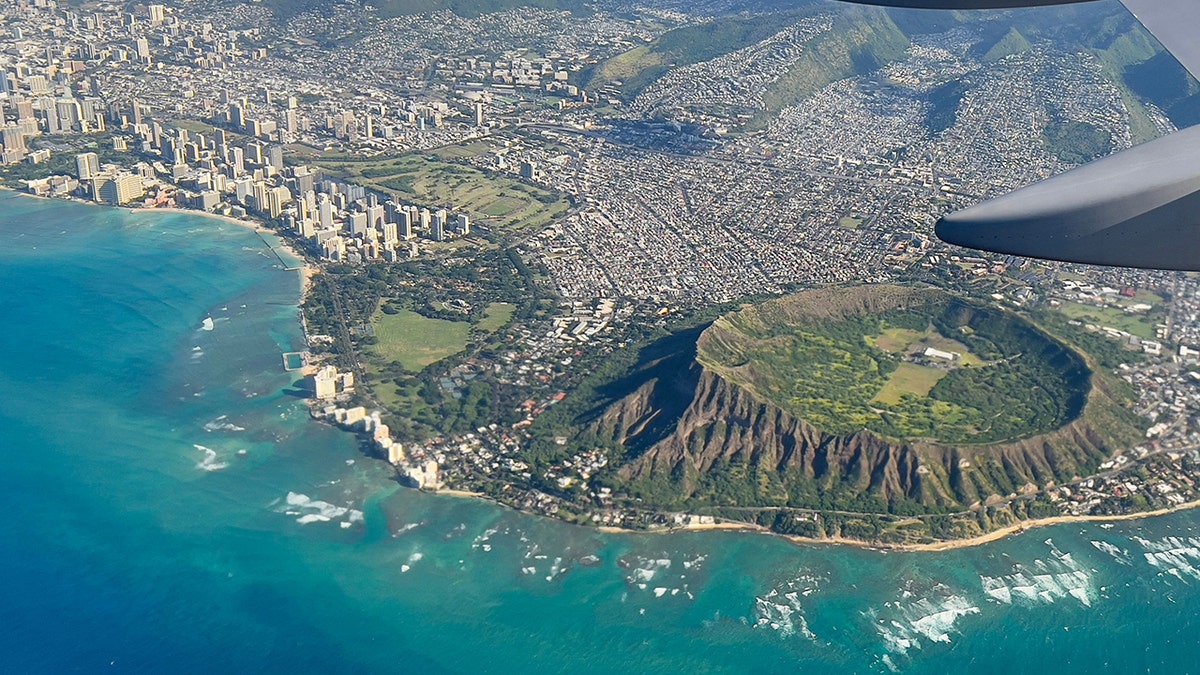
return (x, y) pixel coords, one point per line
(869, 370)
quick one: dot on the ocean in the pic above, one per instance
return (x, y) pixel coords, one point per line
(168, 506)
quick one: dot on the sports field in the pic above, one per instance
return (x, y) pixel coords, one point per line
(415, 341)
(909, 378)
(496, 316)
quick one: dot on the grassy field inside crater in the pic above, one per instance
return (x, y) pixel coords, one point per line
(910, 379)
(994, 377)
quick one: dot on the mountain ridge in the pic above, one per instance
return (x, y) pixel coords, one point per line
(691, 437)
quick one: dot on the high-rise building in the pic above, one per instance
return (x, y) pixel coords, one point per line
(119, 190)
(392, 211)
(390, 233)
(69, 113)
(438, 226)
(24, 108)
(464, 224)
(142, 48)
(89, 109)
(305, 178)
(404, 225)
(50, 113)
(325, 212)
(242, 189)
(258, 196)
(275, 157)
(207, 200)
(157, 14)
(375, 215)
(14, 140)
(358, 224)
(478, 114)
(254, 154)
(237, 161)
(14, 144)
(88, 165)
(277, 198)
(38, 84)
(325, 383)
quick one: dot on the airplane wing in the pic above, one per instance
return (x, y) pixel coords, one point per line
(1137, 208)
(1175, 23)
(965, 4)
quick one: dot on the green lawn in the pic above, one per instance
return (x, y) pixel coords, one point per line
(463, 150)
(895, 340)
(496, 317)
(1107, 317)
(904, 340)
(427, 181)
(938, 341)
(909, 378)
(415, 341)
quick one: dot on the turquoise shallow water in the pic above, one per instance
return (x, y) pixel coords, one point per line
(135, 538)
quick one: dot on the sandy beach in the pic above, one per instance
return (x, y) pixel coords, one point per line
(461, 493)
(1044, 522)
(989, 537)
(307, 270)
(253, 225)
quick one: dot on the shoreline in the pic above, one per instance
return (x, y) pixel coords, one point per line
(462, 494)
(931, 547)
(306, 269)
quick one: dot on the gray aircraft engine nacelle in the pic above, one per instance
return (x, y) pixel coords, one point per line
(1137, 208)
(965, 4)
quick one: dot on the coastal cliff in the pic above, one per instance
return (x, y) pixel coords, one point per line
(725, 425)
(691, 436)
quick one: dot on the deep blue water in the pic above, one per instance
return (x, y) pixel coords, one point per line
(136, 539)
